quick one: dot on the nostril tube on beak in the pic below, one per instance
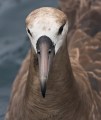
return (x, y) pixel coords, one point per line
(49, 51)
(38, 52)
(45, 52)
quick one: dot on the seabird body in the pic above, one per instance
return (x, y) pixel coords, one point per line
(65, 91)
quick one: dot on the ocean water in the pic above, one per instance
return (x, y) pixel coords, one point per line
(14, 43)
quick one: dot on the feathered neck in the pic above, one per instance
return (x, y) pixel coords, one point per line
(62, 96)
(60, 75)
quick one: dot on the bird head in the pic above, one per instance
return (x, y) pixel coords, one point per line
(47, 29)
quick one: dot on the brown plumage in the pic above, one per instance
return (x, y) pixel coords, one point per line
(74, 9)
(74, 81)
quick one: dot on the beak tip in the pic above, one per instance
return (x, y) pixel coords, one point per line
(43, 94)
(43, 89)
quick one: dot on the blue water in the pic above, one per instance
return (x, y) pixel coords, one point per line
(14, 43)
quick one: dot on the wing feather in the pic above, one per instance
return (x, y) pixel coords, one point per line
(86, 37)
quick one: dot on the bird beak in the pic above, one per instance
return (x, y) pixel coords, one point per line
(45, 52)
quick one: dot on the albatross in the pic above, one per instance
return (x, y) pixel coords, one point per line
(52, 83)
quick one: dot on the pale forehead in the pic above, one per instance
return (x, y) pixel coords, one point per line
(46, 15)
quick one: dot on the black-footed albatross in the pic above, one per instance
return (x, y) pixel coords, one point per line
(52, 83)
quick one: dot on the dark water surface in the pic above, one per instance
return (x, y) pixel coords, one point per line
(13, 42)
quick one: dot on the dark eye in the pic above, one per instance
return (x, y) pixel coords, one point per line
(60, 29)
(29, 32)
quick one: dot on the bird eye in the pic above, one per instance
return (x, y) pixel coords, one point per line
(29, 32)
(60, 29)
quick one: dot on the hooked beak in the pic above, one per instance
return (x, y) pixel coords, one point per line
(45, 52)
